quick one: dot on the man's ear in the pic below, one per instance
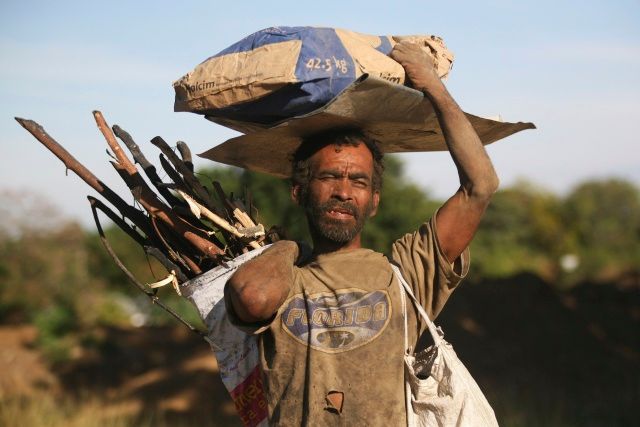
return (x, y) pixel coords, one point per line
(375, 202)
(295, 194)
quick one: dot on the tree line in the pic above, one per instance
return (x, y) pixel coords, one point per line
(60, 277)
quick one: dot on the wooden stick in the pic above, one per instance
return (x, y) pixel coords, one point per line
(197, 209)
(180, 256)
(150, 202)
(243, 218)
(141, 240)
(152, 250)
(135, 282)
(195, 237)
(220, 222)
(185, 153)
(227, 205)
(148, 168)
(159, 239)
(185, 214)
(171, 172)
(250, 208)
(166, 262)
(190, 179)
(137, 217)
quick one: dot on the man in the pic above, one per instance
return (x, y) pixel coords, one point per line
(331, 328)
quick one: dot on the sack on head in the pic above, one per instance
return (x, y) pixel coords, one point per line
(282, 72)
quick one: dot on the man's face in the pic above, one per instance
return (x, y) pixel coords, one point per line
(340, 195)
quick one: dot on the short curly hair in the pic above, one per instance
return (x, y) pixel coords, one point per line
(301, 170)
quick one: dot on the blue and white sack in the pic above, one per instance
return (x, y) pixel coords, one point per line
(283, 72)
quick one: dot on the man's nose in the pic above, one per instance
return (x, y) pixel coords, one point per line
(342, 189)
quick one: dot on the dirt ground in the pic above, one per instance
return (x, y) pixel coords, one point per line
(541, 357)
(23, 371)
(140, 374)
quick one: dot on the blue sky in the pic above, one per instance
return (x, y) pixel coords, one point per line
(571, 67)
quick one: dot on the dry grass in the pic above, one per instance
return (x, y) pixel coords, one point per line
(45, 411)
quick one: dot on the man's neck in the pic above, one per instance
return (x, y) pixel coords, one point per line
(322, 245)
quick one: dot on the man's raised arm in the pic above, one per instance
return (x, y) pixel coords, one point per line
(459, 217)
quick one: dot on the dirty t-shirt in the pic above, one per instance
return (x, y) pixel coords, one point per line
(333, 355)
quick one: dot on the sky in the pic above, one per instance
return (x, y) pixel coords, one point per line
(570, 67)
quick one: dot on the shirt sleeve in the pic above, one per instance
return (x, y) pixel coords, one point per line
(423, 265)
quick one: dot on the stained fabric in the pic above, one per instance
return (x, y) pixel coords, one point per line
(341, 330)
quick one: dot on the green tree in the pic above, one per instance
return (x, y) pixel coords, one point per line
(603, 219)
(522, 230)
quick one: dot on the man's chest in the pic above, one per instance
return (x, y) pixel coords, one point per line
(336, 311)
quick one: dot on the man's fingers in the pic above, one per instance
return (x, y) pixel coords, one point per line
(408, 46)
(400, 50)
(401, 53)
(405, 51)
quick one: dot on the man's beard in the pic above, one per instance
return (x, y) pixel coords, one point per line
(335, 230)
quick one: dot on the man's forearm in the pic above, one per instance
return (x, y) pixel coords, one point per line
(459, 217)
(260, 286)
(478, 179)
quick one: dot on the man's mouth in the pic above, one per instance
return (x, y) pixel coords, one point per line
(337, 221)
(339, 213)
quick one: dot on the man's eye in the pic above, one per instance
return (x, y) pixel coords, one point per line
(361, 183)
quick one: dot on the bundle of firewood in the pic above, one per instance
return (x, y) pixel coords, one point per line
(186, 227)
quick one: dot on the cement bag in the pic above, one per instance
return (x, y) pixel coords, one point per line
(236, 352)
(282, 72)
